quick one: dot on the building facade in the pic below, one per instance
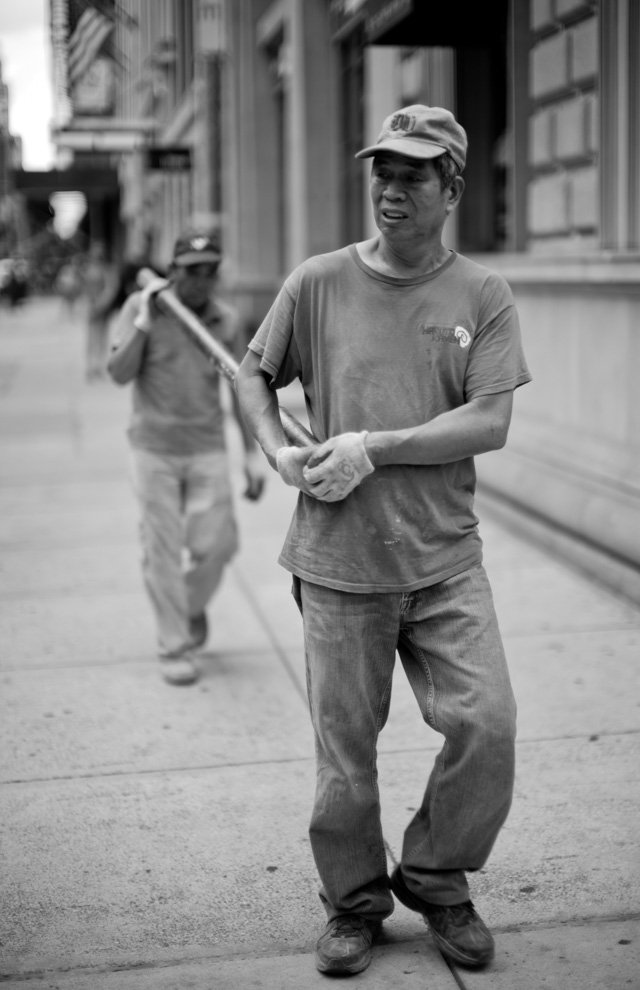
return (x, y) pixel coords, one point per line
(271, 99)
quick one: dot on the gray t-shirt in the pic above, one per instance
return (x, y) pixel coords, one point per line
(379, 353)
(176, 394)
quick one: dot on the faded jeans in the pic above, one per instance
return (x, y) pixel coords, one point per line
(188, 534)
(449, 643)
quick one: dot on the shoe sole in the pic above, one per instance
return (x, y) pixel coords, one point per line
(414, 903)
(337, 966)
(455, 955)
(179, 679)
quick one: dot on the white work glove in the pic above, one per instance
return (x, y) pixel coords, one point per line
(144, 319)
(338, 466)
(290, 461)
(254, 473)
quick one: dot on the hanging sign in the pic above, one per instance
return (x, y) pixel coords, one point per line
(169, 159)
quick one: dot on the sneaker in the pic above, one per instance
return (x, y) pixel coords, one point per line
(179, 670)
(345, 946)
(458, 931)
(198, 630)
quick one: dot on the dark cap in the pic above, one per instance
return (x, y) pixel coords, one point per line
(195, 248)
(421, 132)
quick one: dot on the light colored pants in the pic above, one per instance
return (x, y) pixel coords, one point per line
(188, 534)
(448, 640)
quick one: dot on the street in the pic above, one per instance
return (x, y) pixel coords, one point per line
(156, 837)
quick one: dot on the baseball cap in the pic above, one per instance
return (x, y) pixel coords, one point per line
(421, 132)
(196, 248)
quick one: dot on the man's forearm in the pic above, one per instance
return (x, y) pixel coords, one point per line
(248, 439)
(260, 411)
(125, 360)
(474, 428)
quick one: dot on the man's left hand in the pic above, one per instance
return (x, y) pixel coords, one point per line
(338, 466)
(254, 474)
(144, 319)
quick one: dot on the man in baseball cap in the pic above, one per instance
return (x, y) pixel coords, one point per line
(408, 354)
(177, 437)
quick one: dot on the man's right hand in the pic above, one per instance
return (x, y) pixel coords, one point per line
(144, 319)
(290, 461)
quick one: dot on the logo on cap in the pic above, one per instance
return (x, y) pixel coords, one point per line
(198, 243)
(402, 122)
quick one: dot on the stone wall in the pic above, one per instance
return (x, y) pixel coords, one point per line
(571, 467)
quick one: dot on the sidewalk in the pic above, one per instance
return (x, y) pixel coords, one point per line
(156, 837)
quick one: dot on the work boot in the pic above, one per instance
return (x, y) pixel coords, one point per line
(458, 931)
(198, 630)
(179, 670)
(345, 946)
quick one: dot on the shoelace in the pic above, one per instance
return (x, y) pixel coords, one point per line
(347, 927)
(457, 914)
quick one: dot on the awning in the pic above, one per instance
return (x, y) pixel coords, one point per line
(377, 16)
(413, 23)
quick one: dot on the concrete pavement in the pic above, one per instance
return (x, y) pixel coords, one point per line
(156, 837)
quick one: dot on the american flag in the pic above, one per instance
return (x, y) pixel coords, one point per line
(89, 34)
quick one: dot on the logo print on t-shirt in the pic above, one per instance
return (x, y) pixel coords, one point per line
(447, 335)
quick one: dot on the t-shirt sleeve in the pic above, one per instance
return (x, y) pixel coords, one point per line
(496, 358)
(274, 340)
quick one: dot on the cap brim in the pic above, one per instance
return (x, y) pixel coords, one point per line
(409, 147)
(197, 258)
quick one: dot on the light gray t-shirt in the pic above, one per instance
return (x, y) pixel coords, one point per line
(379, 353)
(176, 394)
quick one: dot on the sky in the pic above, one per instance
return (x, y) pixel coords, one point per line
(25, 54)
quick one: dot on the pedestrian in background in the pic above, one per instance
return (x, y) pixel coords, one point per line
(99, 287)
(15, 284)
(69, 284)
(408, 354)
(180, 467)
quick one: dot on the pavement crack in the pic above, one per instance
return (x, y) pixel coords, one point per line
(150, 771)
